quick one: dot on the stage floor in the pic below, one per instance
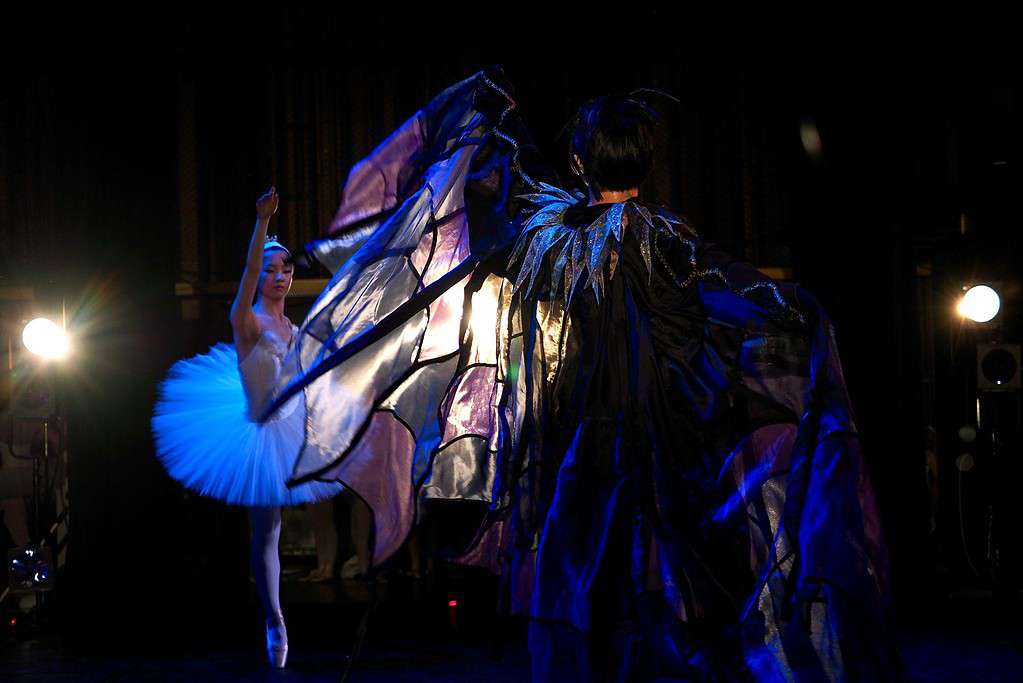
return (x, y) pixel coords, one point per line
(412, 638)
(937, 657)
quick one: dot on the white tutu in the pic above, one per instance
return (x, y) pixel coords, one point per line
(206, 441)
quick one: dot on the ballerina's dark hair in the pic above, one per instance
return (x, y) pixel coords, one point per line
(613, 138)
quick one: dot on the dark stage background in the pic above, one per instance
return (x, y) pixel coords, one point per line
(133, 148)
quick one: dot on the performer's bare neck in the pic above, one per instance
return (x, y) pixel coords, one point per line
(612, 196)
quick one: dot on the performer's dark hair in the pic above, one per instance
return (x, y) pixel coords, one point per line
(613, 137)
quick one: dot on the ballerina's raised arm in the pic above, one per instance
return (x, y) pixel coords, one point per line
(244, 323)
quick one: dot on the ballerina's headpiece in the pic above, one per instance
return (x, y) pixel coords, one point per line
(272, 243)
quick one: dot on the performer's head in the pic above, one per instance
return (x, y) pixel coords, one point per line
(277, 270)
(611, 148)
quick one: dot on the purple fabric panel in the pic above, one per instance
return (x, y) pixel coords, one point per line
(441, 337)
(452, 248)
(468, 407)
(486, 549)
(379, 469)
(375, 183)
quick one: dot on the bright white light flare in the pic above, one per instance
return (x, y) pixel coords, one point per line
(46, 339)
(980, 304)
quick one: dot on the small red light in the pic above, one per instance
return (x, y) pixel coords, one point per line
(452, 603)
(14, 621)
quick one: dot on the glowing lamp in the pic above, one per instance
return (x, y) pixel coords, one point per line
(979, 304)
(46, 339)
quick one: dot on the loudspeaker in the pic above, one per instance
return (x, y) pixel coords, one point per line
(998, 367)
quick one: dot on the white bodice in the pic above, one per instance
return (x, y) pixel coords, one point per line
(261, 371)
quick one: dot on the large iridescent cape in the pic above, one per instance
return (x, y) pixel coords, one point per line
(487, 337)
(390, 396)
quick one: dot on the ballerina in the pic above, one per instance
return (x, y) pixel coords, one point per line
(205, 419)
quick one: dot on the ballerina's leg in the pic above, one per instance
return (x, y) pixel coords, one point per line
(265, 558)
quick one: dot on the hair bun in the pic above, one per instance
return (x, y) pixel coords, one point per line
(613, 137)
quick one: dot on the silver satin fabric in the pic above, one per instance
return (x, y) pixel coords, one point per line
(370, 286)
(398, 422)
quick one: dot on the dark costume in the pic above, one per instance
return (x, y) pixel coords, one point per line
(663, 435)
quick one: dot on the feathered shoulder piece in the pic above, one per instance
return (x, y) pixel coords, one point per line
(583, 251)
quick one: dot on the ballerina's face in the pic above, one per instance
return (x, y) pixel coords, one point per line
(277, 274)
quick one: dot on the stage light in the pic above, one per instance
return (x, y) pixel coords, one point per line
(980, 304)
(46, 339)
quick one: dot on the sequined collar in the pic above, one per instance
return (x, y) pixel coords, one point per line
(582, 248)
(582, 214)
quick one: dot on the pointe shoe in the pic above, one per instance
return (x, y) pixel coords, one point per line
(277, 642)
